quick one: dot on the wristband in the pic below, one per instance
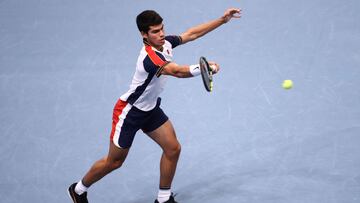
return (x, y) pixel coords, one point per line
(194, 70)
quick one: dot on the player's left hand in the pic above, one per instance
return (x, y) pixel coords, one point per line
(231, 13)
(214, 67)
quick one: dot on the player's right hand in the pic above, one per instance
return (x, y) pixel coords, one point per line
(214, 67)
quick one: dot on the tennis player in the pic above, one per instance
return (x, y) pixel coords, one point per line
(139, 108)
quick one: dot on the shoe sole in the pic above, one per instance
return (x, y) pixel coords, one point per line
(68, 191)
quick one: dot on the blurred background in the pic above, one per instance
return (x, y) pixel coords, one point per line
(64, 64)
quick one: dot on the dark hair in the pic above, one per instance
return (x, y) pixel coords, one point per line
(146, 19)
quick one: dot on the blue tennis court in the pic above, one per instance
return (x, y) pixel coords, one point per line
(64, 64)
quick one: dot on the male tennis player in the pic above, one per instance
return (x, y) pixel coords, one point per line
(139, 108)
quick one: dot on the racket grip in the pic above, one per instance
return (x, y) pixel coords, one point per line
(213, 68)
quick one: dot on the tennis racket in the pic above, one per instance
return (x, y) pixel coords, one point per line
(206, 74)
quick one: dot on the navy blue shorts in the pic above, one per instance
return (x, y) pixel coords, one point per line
(127, 120)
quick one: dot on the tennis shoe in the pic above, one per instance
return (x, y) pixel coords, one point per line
(171, 200)
(76, 198)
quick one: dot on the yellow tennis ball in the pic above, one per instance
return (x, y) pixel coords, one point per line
(287, 84)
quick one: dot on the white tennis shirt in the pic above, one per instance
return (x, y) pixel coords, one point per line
(146, 85)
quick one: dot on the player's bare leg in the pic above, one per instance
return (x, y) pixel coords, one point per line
(104, 166)
(100, 168)
(165, 136)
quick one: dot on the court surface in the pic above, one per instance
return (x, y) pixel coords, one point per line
(63, 65)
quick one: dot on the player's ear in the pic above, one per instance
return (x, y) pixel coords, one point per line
(144, 34)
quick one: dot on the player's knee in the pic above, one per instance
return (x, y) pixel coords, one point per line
(112, 165)
(173, 152)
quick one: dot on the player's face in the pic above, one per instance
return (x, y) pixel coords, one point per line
(156, 35)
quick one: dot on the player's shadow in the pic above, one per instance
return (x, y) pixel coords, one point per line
(221, 187)
(142, 200)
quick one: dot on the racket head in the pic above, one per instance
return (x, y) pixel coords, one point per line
(206, 74)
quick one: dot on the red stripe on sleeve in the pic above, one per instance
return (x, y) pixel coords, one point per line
(154, 57)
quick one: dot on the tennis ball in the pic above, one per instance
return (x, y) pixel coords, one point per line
(287, 84)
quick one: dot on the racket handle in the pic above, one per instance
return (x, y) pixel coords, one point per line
(213, 68)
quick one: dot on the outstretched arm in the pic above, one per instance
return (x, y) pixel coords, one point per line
(186, 71)
(200, 30)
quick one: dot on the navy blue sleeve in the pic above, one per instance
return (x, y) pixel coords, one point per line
(174, 40)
